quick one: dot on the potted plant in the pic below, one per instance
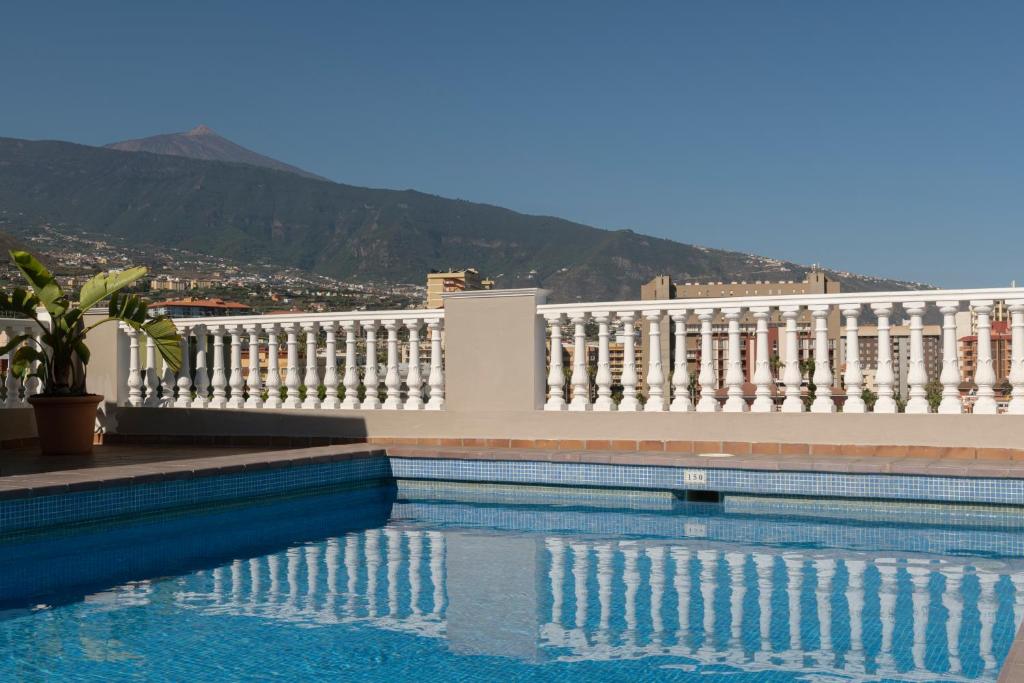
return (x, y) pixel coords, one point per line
(65, 412)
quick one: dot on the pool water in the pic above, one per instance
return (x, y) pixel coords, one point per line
(424, 582)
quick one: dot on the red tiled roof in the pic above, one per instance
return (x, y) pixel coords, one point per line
(203, 303)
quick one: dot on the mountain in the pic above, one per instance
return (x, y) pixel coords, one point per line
(7, 243)
(202, 143)
(248, 212)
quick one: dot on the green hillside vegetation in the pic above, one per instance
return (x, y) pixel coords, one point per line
(243, 211)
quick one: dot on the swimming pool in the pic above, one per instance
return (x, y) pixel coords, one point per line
(432, 581)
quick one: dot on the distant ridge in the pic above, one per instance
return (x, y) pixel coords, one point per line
(203, 143)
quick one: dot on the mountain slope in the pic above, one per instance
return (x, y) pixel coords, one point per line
(202, 143)
(344, 231)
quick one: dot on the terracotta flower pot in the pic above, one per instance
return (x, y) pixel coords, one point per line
(65, 424)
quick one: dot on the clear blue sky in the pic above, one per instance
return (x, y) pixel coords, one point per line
(881, 137)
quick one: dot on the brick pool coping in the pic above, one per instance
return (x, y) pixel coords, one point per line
(67, 481)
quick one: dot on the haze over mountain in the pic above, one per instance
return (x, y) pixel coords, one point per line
(246, 211)
(203, 143)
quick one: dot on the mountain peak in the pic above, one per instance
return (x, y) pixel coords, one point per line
(203, 143)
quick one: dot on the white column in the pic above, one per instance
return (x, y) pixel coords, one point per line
(312, 562)
(134, 374)
(738, 583)
(853, 377)
(236, 381)
(10, 381)
(34, 385)
(735, 403)
(184, 375)
(580, 380)
(604, 369)
(202, 373)
(917, 374)
(413, 378)
(437, 554)
(629, 402)
(556, 576)
(352, 565)
(415, 560)
(394, 561)
(762, 367)
(370, 378)
(392, 378)
(708, 565)
(273, 368)
(312, 377)
(655, 374)
(987, 608)
(919, 599)
(291, 378)
(1016, 307)
(764, 563)
(951, 404)
(656, 555)
(792, 376)
(371, 550)
(167, 383)
(794, 589)
(220, 379)
(604, 589)
(823, 402)
(884, 377)
(985, 374)
(681, 402)
(707, 378)
(887, 591)
(274, 573)
(954, 604)
(331, 400)
(556, 376)
(351, 379)
(631, 578)
(152, 379)
(580, 570)
(436, 378)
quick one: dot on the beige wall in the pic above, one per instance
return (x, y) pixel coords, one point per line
(18, 423)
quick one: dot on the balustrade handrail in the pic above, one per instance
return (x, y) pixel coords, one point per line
(298, 317)
(1015, 294)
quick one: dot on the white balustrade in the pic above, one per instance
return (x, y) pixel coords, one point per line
(718, 330)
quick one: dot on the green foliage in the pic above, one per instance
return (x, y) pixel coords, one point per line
(58, 356)
(869, 397)
(933, 392)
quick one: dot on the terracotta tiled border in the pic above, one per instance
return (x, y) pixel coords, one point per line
(250, 441)
(731, 447)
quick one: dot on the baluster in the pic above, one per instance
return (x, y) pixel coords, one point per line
(236, 381)
(764, 564)
(312, 377)
(202, 377)
(10, 381)
(413, 378)
(580, 571)
(152, 379)
(951, 404)
(655, 374)
(794, 589)
(919, 599)
(33, 385)
(436, 378)
(707, 378)
(681, 402)
(273, 368)
(883, 368)
(792, 376)
(656, 556)
(134, 375)
(825, 569)
(351, 378)
(331, 400)
(167, 384)
(987, 608)
(954, 605)
(184, 375)
(762, 366)
(853, 377)
(823, 402)
(1016, 308)
(735, 403)
(254, 382)
(556, 577)
(580, 380)
(629, 402)
(292, 381)
(370, 379)
(855, 600)
(604, 368)
(220, 379)
(392, 378)
(984, 374)
(556, 376)
(738, 586)
(917, 374)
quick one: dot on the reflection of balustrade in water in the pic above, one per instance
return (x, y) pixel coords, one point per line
(357, 578)
(869, 616)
